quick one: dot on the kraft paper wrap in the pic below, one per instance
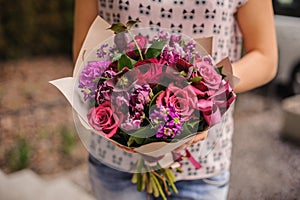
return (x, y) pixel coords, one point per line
(98, 33)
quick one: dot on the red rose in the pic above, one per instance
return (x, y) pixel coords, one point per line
(149, 71)
(183, 65)
(104, 120)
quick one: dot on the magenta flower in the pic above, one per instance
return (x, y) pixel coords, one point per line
(168, 122)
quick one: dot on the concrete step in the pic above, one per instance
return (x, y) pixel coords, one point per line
(64, 189)
(26, 185)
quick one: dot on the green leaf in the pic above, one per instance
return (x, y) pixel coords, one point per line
(196, 79)
(192, 124)
(219, 69)
(118, 28)
(125, 61)
(133, 139)
(186, 129)
(192, 60)
(182, 43)
(116, 57)
(155, 49)
(143, 132)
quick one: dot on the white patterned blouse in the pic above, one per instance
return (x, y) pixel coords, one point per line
(198, 19)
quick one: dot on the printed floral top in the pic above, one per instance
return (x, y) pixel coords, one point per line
(198, 19)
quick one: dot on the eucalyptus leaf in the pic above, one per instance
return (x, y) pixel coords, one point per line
(143, 132)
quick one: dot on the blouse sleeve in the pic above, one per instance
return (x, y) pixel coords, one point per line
(240, 3)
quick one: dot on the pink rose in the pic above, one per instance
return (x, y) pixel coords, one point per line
(184, 100)
(210, 78)
(104, 120)
(210, 111)
(131, 50)
(217, 104)
(224, 97)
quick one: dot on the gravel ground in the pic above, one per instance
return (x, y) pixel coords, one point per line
(263, 165)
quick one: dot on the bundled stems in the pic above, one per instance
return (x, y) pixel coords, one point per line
(156, 182)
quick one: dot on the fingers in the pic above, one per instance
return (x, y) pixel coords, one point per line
(199, 137)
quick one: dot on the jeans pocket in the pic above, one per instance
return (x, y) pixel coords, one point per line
(218, 180)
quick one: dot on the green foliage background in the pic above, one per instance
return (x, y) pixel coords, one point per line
(33, 27)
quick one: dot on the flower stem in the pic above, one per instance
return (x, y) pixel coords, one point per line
(136, 44)
(163, 180)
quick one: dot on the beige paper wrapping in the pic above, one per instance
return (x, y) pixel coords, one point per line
(97, 34)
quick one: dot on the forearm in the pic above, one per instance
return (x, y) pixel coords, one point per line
(254, 69)
(84, 14)
(259, 65)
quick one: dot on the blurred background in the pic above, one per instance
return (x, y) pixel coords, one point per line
(39, 144)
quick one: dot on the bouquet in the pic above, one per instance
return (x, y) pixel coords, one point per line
(150, 92)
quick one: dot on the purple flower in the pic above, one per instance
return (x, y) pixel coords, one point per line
(162, 35)
(172, 54)
(174, 39)
(133, 105)
(132, 122)
(90, 76)
(105, 88)
(102, 51)
(168, 122)
(208, 59)
(189, 49)
(140, 97)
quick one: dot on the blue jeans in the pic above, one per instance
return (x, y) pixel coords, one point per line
(109, 184)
